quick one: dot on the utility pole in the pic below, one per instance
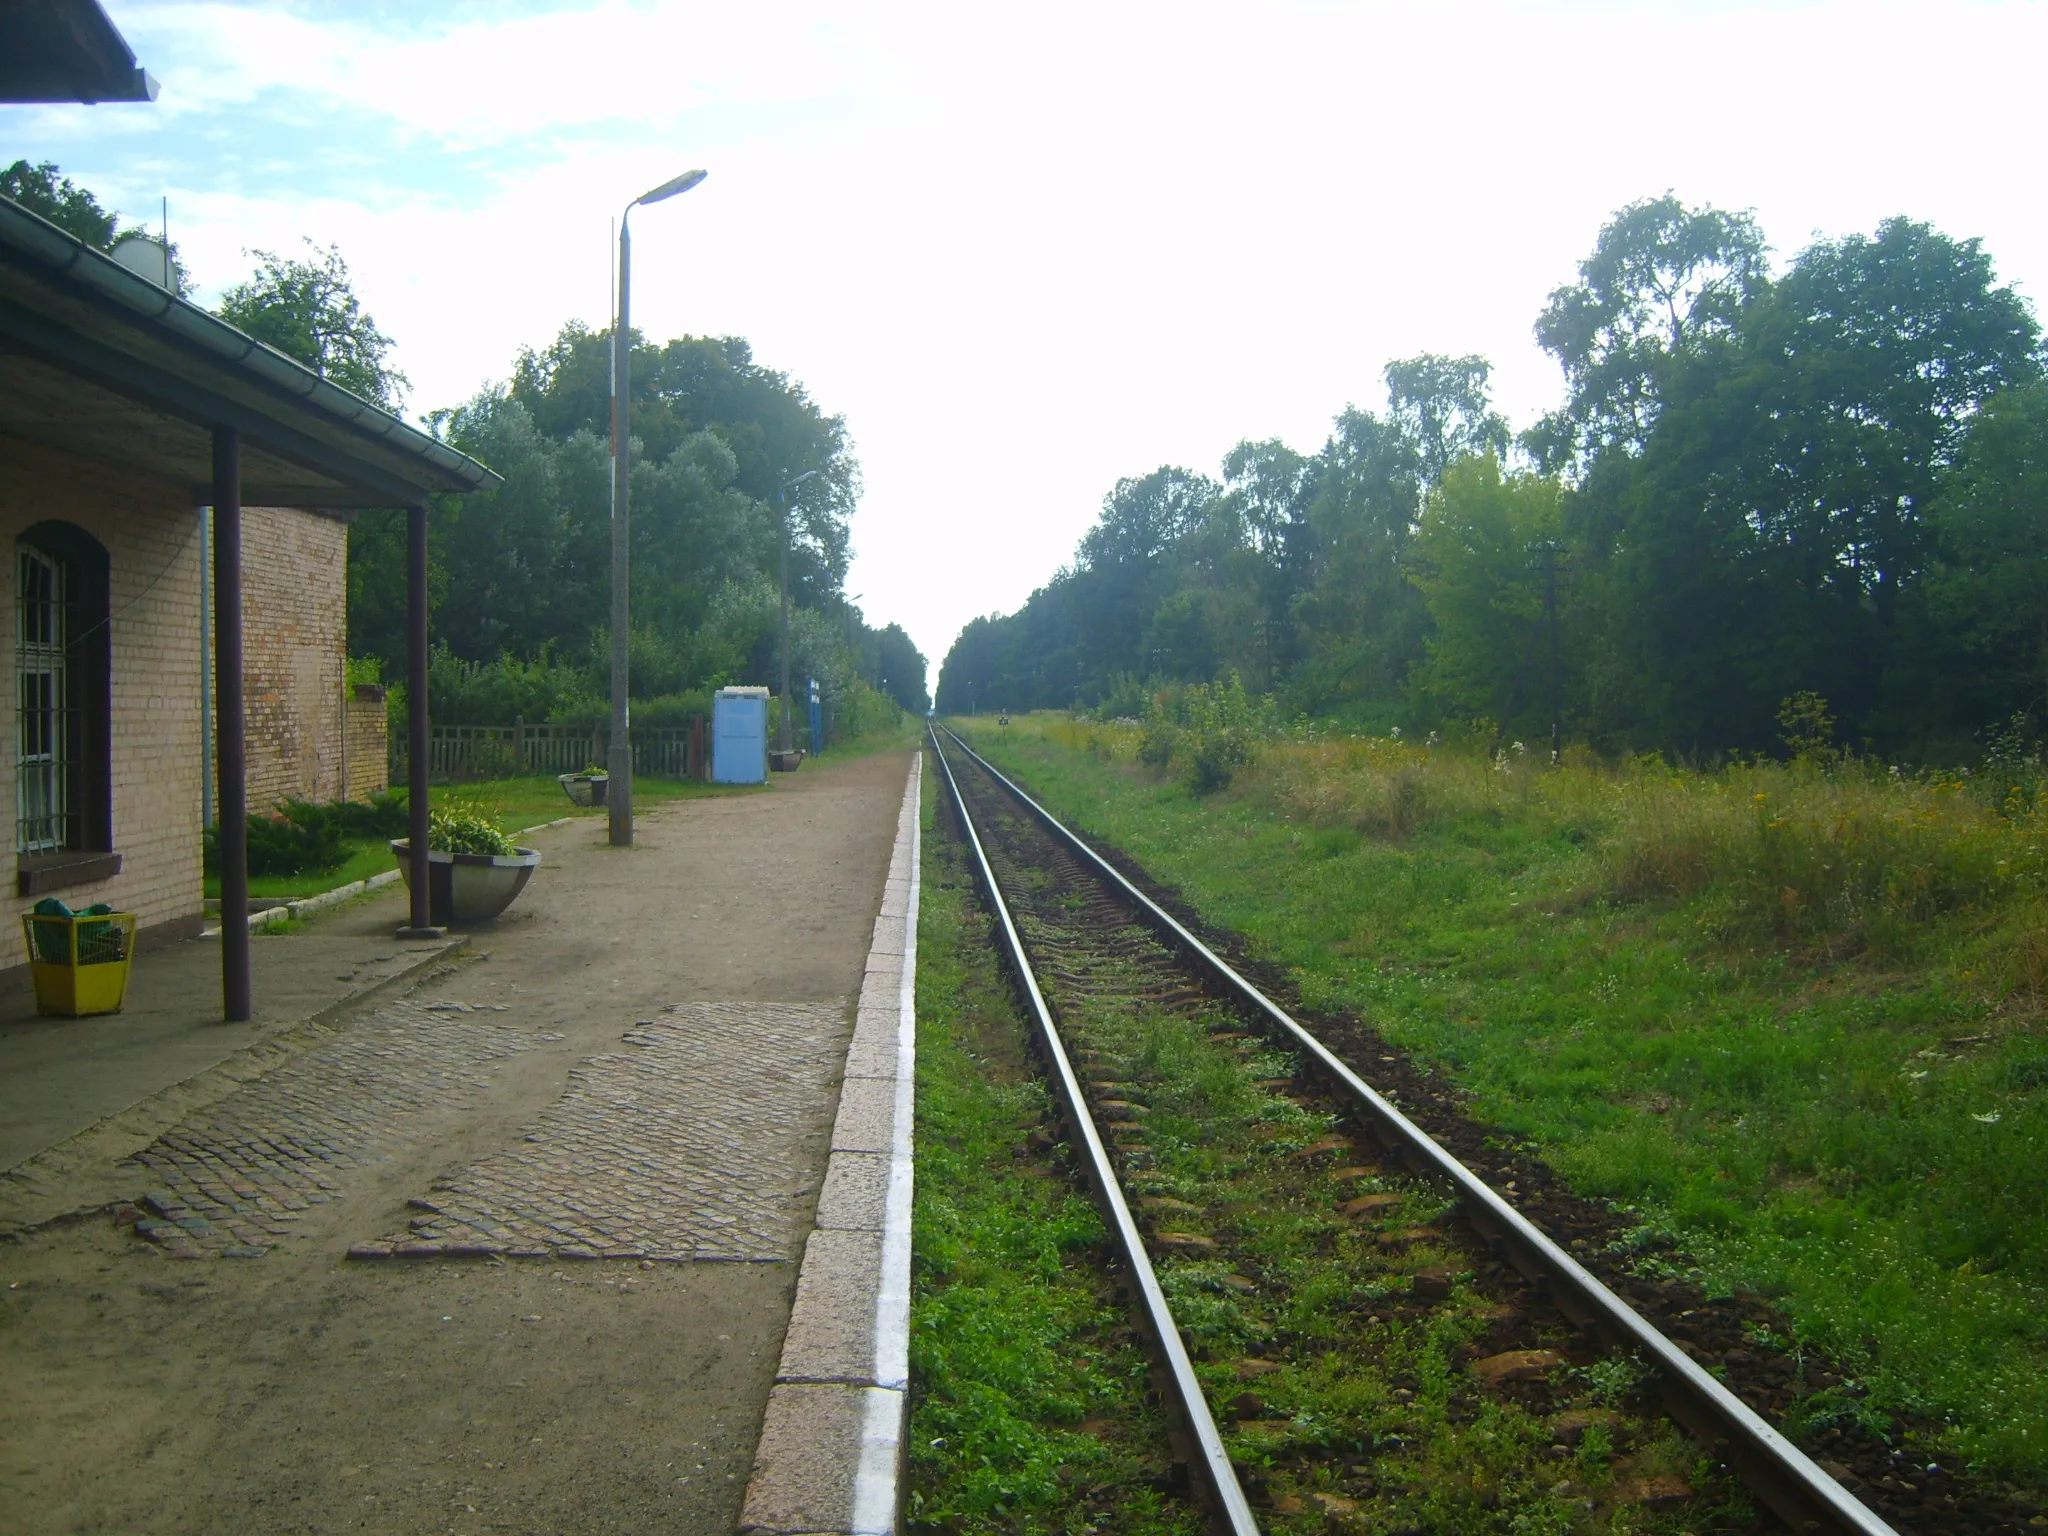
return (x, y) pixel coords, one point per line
(1547, 552)
(782, 725)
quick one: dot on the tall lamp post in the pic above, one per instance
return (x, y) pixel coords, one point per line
(782, 726)
(619, 760)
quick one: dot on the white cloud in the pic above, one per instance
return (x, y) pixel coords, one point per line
(472, 81)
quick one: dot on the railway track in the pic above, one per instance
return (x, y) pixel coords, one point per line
(1107, 976)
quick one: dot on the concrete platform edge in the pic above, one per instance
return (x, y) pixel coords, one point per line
(830, 1458)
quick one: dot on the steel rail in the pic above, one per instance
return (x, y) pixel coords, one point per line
(1782, 1475)
(1227, 1500)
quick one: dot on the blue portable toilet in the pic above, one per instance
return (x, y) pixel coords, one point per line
(739, 736)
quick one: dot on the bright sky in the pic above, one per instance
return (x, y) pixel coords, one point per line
(1028, 250)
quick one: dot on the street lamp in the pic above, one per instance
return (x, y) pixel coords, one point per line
(782, 728)
(619, 760)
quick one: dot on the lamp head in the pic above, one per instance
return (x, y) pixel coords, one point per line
(669, 189)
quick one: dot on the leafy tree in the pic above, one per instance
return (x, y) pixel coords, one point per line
(1987, 591)
(43, 189)
(711, 383)
(901, 669)
(307, 309)
(1760, 543)
(1662, 279)
(1480, 560)
(1443, 407)
(1358, 614)
(1270, 489)
(1125, 566)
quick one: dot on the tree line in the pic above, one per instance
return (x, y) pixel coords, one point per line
(1827, 483)
(520, 576)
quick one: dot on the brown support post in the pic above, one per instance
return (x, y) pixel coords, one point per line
(421, 925)
(231, 747)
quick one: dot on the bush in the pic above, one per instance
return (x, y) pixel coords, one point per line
(278, 846)
(497, 692)
(463, 828)
(1205, 732)
(304, 838)
(863, 710)
(671, 709)
(1128, 699)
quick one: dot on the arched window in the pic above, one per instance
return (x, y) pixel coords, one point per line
(64, 702)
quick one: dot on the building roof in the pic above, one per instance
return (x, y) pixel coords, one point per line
(67, 50)
(102, 363)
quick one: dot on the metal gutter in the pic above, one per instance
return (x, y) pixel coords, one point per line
(43, 245)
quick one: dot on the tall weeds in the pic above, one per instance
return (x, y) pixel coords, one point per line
(1830, 852)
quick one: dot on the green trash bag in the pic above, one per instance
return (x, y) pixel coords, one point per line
(98, 943)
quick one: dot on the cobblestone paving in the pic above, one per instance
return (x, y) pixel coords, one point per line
(232, 1179)
(700, 1142)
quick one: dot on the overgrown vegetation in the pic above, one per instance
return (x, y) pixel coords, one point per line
(1789, 1013)
(1829, 479)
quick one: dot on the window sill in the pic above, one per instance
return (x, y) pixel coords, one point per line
(37, 874)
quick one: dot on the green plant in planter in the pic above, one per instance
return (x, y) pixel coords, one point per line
(459, 828)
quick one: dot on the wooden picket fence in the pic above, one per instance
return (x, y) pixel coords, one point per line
(499, 751)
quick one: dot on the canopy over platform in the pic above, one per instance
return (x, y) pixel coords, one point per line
(67, 51)
(105, 364)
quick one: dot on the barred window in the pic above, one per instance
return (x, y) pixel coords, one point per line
(45, 625)
(63, 779)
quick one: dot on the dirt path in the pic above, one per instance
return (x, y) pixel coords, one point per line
(586, 1100)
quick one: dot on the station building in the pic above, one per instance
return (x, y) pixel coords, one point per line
(133, 424)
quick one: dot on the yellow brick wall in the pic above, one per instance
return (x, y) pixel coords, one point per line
(294, 653)
(368, 743)
(152, 536)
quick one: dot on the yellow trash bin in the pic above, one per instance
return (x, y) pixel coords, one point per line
(79, 961)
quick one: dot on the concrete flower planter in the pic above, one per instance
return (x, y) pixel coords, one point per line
(585, 788)
(469, 887)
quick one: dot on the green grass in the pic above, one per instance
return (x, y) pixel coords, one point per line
(1028, 1412)
(365, 860)
(514, 803)
(1857, 1128)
